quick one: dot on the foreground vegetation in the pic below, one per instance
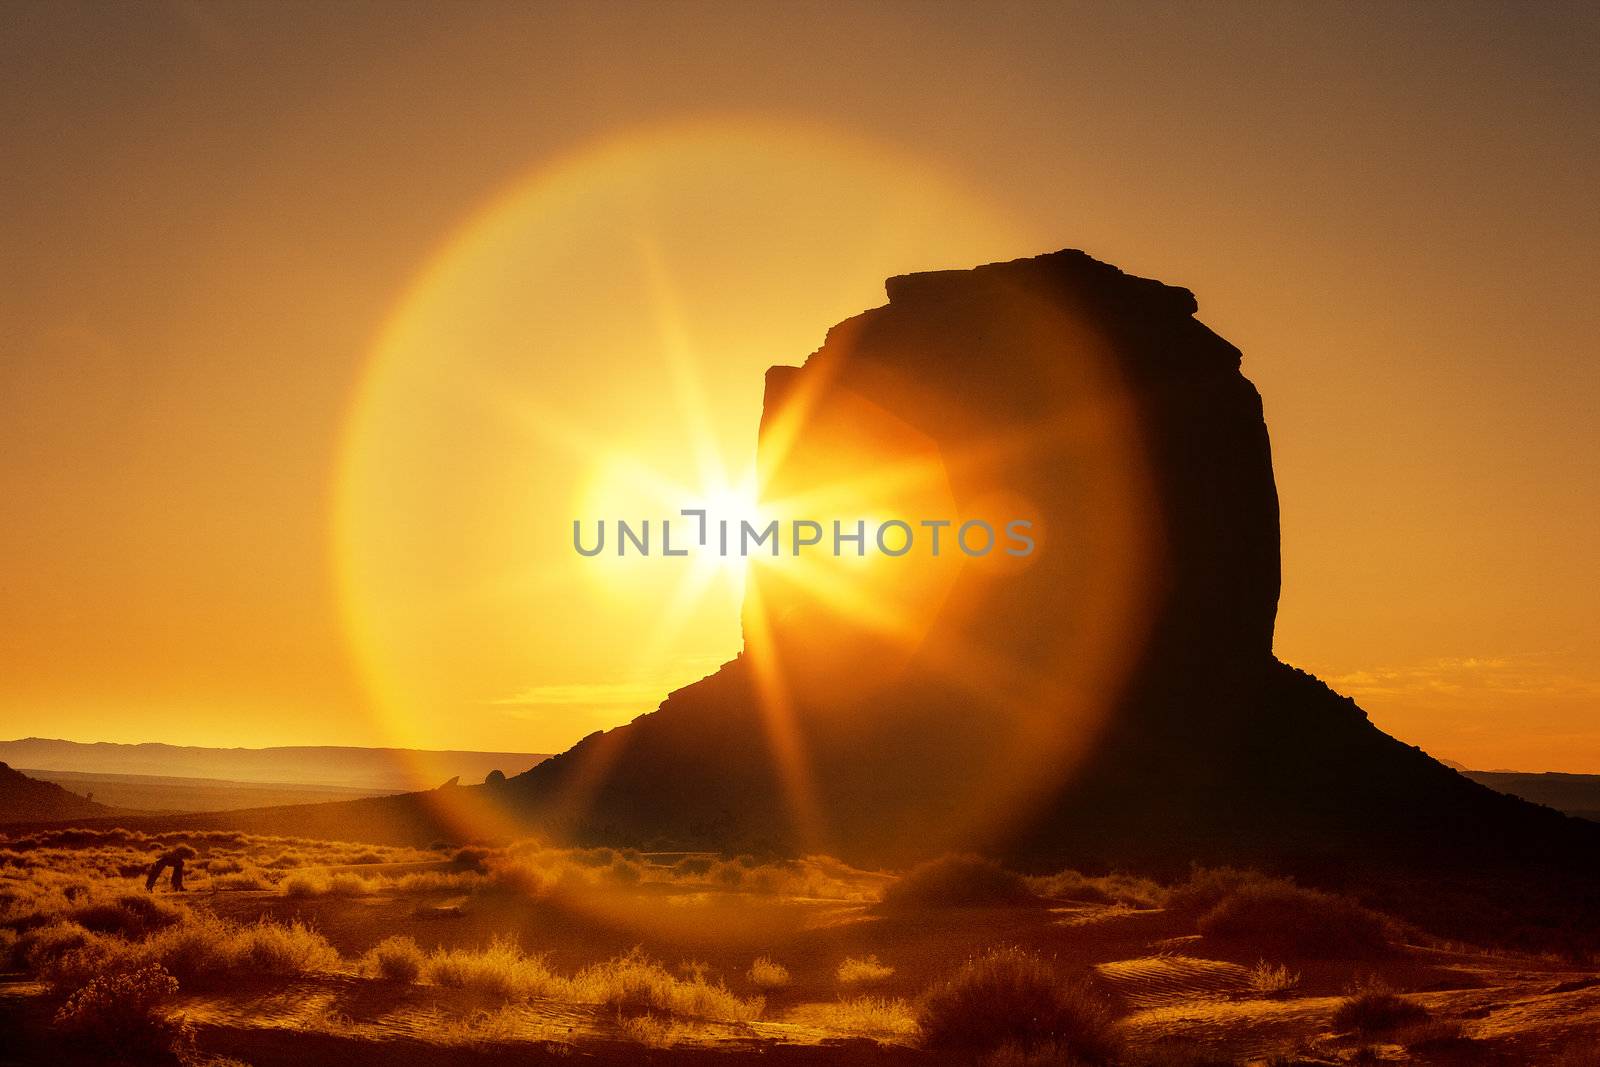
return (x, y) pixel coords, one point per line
(119, 961)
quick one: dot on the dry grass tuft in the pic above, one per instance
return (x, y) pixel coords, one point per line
(1079, 888)
(119, 1016)
(1272, 979)
(1433, 1035)
(959, 882)
(481, 1029)
(1289, 920)
(858, 971)
(280, 950)
(1376, 1009)
(302, 884)
(1010, 996)
(237, 881)
(501, 970)
(633, 984)
(208, 951)
(878, 1016)
(132, 915)
(395, 959)
(650, 1030)
(41, 946)
(765, 974)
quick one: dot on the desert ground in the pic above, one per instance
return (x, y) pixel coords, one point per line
(288, 950)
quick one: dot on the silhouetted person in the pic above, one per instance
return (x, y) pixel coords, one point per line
(173, 859)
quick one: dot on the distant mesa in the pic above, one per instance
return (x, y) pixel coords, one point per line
(369, 770)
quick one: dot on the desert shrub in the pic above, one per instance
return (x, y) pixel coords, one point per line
(1376, 1010)
(1011, 996)
(692, 866)
(1430, 1035)
(100, 954)
(470, 859)
(501, 970)
(958, 882)
(633, 985)
(302, 884)
(624, 872)
(519, 877)
(727, 872)
(207, 950)
(346, 884)
(1208, 885)
(1079, 888)
(435, 881)
(119, 1015)
(650, 1031)
(820, 877)
(241, 880)
(132, 915)
(483, 1026)
(281, 950)
(872, 1015)
(1289, 920)
(308, 883)
(862, 971)
(766, 974)
(8, 945)
(1272, 979)
(397, 959)
(197, 950)
(366, 856)
(42, 945)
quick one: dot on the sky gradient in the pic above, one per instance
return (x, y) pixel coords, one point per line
(319, 322)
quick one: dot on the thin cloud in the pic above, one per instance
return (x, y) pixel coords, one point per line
(1528, 674)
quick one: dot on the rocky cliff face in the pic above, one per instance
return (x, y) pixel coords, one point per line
(1110, 699)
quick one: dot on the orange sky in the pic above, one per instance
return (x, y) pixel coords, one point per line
(317, 330)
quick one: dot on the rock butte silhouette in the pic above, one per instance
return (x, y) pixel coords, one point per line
(1114, 703)
(1126, 709)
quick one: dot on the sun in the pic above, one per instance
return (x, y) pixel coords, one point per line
(733, 503)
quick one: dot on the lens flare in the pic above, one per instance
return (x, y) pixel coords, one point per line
(593, 343)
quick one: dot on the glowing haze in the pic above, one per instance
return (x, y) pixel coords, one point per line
(319, 331)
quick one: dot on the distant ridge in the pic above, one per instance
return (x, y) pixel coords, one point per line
(24, 799)
(1575, 794)
(375, 769)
